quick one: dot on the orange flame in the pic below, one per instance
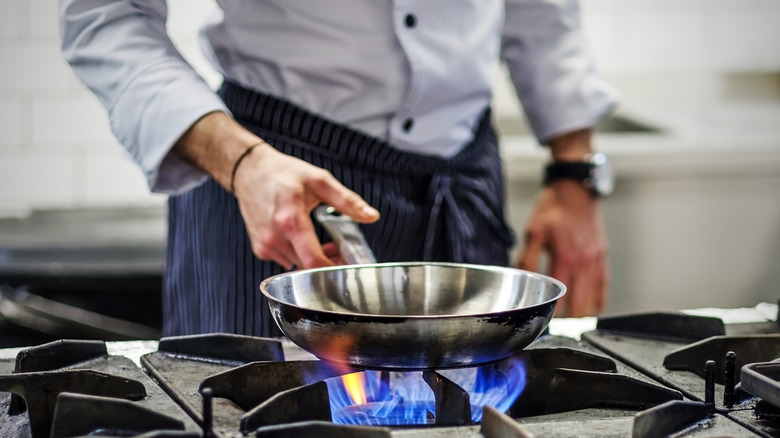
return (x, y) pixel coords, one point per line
(355, 384)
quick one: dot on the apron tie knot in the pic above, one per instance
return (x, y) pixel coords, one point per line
(451, 196)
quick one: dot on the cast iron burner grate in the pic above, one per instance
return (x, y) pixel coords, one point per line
(73, 388)
(699, 362)
(622, 380)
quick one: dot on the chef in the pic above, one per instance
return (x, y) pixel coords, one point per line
(379, 108)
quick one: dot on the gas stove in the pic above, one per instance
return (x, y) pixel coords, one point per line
(640, 375)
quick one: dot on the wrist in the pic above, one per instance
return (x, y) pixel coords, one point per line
(215, 144)
(238, 162)
(572, 146)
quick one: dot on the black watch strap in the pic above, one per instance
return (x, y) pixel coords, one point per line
(575, 170)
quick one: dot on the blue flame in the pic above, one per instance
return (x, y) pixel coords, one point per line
(410, 401)
(403, 398)
(490, 385)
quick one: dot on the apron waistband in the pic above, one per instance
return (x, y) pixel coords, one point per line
(276, 117)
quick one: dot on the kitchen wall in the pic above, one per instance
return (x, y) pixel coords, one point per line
(696, 213)
(56, 147)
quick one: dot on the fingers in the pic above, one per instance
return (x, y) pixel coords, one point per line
(582, 300)
(561, 271)
(602, 286)
(532, 251)
(296, 245)
(267, 242)
(295, 231)
(329, 191)
(308, 247)
(586, 279)
(332, 252)
(276, 199)
(276, 194)
(284, 256)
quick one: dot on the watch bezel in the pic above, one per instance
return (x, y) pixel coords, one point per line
(593, 172)
(602, 179)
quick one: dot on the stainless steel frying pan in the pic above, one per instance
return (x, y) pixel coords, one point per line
(414, 315)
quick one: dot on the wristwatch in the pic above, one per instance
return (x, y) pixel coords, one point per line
(594, 173)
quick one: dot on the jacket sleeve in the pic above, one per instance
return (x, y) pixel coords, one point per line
(120, 49)
(553, 73)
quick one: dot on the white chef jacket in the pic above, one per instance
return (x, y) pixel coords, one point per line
(416, 73)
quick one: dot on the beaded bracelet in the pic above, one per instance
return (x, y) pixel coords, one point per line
(238, 162)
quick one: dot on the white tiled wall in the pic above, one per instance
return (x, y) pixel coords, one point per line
(56, 148)
(645, 36)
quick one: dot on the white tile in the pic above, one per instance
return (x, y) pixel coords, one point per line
(596, 8)
(8, 150)
(113, 178)
(10, 25)
(42, 17)
(764, 58)
(743, 23)
(730, 8)
(10, 123)
(687, 7)
(18, 209)
(37, 179)
(745, 29)
(646, 30)
(625, 59)
(74, 148)
(186, 16)
(691, 35)
(505, 102)
(76, 88)
(680, 30)
(599, 32)
(731, 59)
(33, 66)
(69, 121)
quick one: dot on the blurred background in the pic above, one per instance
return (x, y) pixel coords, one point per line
(694, 221)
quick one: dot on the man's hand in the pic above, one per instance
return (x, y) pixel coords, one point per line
(275, 192)
(567, 224)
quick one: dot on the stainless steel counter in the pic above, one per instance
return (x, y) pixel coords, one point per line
(84, 242)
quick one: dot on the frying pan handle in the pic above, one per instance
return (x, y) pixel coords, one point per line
(345, 234)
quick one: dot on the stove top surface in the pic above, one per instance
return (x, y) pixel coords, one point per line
(641, 375)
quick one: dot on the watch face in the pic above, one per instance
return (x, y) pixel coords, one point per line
(602, 175)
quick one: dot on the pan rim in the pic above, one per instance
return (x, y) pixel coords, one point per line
(562, 289)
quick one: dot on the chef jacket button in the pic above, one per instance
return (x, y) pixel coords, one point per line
(410, 20)
(408, 123)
